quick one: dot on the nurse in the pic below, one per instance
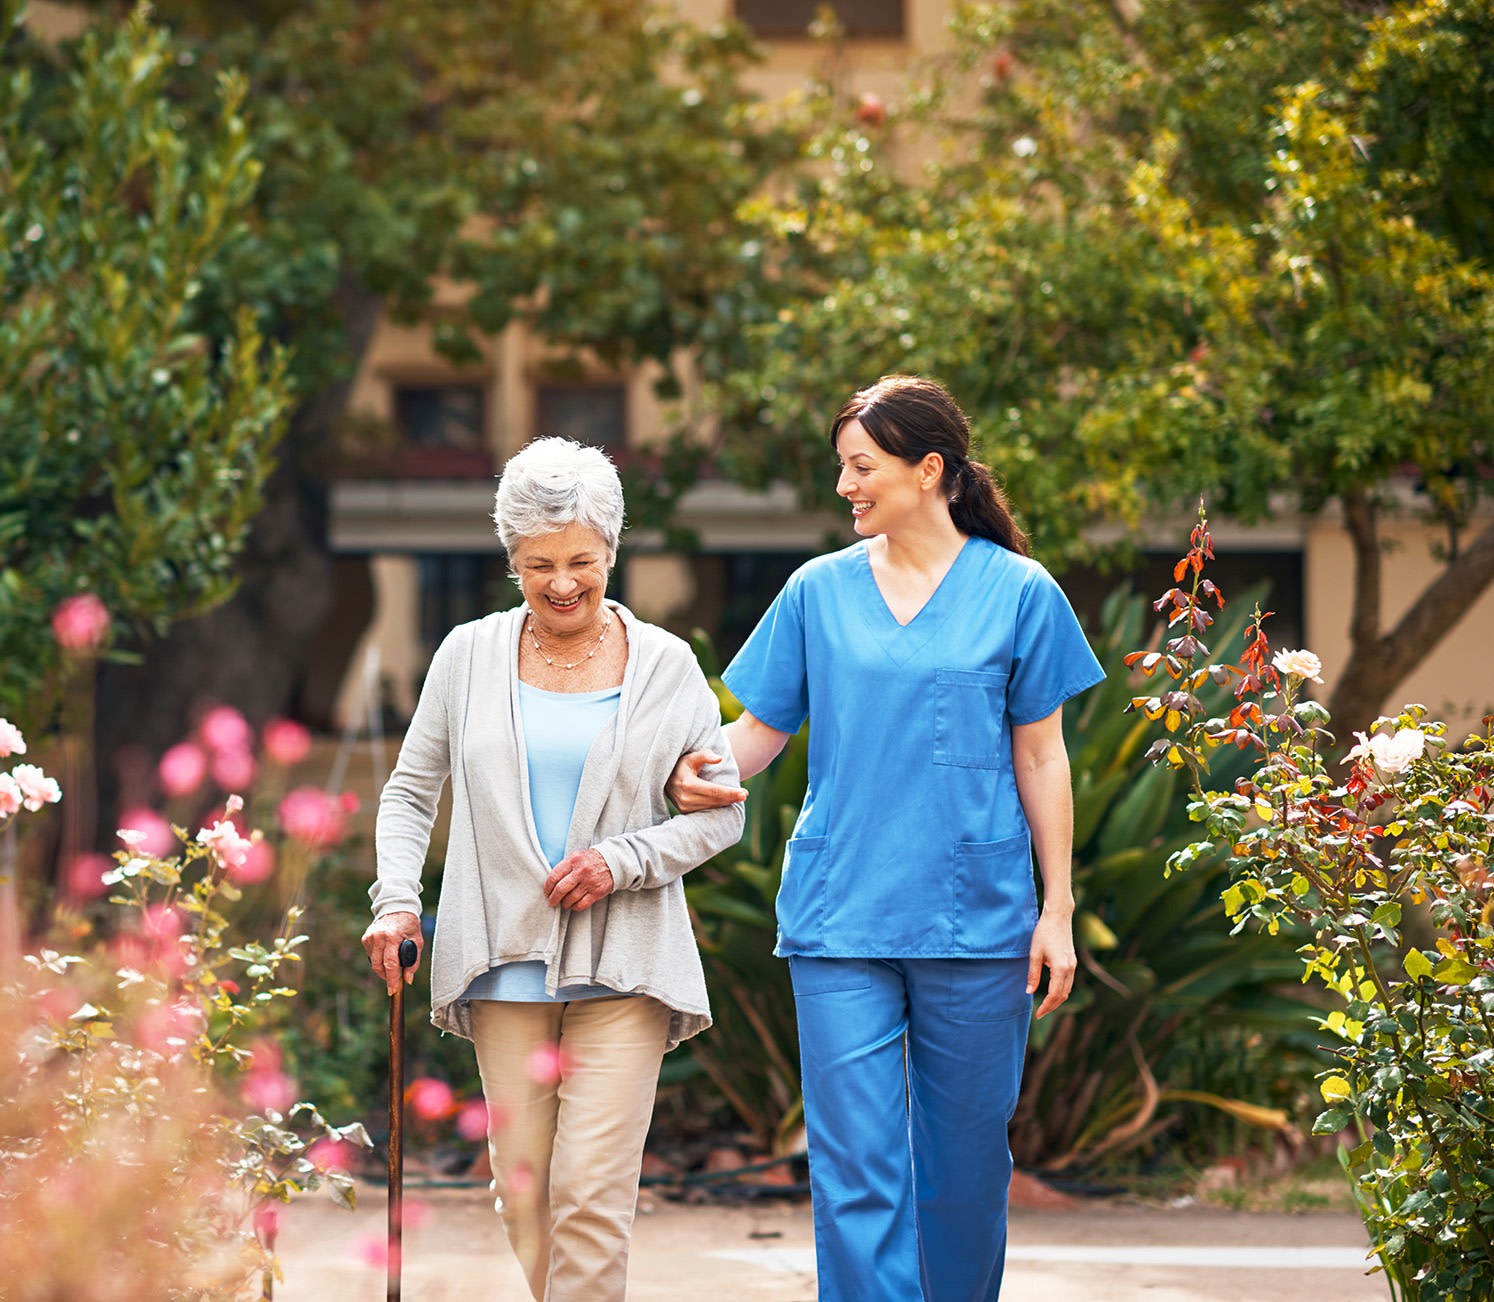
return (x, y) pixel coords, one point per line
(933, 658)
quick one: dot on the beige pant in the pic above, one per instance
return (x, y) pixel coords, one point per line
(566, 1153)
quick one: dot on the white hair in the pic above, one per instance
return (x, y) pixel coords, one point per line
(554, 483)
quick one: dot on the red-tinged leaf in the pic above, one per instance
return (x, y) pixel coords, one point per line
(1175, 666)
(1132, 657)
(1150, 662)
(1180, 569)
(1201, 619)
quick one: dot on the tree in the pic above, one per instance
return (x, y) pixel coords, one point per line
(1164, 250)
(135, 443)
(575, 163)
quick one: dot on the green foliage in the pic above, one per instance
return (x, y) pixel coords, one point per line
(135, 443)
(1401, 845)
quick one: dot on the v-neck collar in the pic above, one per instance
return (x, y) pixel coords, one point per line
(902, 642)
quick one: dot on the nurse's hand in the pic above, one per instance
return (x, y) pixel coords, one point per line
(1053, 948)
(690, 793)
(578, 881)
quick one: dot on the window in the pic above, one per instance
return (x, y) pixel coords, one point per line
(443, 428)
(791, 18)
(456, 588)
(596, 414)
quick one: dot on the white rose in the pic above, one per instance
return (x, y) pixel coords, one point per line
(1395, 752)
(1299, 664)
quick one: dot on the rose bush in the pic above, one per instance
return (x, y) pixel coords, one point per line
(1391, 841)
(145, 1130)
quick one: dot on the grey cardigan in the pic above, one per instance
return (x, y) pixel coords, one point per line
(492, 909)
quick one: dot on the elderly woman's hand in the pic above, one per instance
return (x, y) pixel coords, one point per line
(578, 881)
(690, 793)
(382, 940)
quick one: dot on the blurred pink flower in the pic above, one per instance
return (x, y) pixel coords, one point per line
(373, 1250)
(330, 1154)
(416, 1213)
(182, 769)
(85, 875)
(11, 741)
(10, 795)
(158, 838)
(37, 789)
(225, 844)
(286, 741)
(268, 1091)
(258, 865)
(264, 1055)
(313, 817)
(160, 922)
(233, 769)
(267, 1221)
(430, 1099)
(520, 1180)
(80, 623)
(224, 729)
(472, 1120)
(548, 1064)
(170, 1027)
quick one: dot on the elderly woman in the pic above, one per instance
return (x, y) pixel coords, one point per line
(563, 946)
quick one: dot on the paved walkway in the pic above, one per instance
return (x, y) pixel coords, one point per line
(454, 1249)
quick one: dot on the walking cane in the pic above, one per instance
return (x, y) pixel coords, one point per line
(408, 954)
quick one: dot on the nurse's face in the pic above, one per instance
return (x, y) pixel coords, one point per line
(884, 491)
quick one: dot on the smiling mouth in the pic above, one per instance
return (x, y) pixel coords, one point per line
(858, 509)
(569, 604)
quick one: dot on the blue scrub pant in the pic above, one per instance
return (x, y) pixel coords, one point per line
(911, 1070)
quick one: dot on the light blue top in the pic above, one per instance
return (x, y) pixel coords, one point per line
(912, 841)
(559, 729)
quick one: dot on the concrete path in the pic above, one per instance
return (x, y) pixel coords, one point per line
(454, 1249)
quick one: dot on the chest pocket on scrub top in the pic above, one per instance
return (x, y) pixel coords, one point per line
(969, 718)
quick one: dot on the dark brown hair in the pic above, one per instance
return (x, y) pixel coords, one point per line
(910, 417)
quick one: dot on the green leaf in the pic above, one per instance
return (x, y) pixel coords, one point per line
(1417, 965)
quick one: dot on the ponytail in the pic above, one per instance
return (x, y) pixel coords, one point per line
(978, 507)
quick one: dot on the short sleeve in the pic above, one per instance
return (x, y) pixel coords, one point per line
(1051, 659)
(770, 675)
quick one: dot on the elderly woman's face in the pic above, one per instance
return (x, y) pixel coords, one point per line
(563, 577)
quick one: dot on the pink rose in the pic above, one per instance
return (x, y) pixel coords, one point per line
(430, 1099)
(156, 837)
(258, 865)
(268, 1091)
(233, 769)
(224, 843)
(330, 1155)
(182, 769)
(286, 742)
(80, 623)
(37, 789)
(85, 875)
(472, 1120)
(224, 729)
(313, 817)
(10, 795)
(11, 741)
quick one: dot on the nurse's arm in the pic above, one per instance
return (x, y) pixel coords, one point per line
(754, 746)
(1047, 796)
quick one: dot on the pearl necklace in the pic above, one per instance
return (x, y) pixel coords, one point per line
(540, 651)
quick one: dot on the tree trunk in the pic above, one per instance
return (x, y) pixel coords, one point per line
(1379, 662)
(249, 652)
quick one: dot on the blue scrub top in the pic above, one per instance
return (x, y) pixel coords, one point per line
(912, 842)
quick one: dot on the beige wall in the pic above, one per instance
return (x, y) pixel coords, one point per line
(1456, 682)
